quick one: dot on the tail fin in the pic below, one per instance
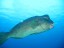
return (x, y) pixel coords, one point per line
(3, 37)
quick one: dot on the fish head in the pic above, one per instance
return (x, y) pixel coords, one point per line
(46, 22)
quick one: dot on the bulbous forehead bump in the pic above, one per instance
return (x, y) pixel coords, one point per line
(46, 19)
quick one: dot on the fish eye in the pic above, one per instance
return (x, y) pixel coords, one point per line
(46, 17)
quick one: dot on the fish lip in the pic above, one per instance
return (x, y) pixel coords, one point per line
(51, 26)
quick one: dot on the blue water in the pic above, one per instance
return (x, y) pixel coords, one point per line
(14, 11)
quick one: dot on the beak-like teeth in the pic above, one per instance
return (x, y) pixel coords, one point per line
(51, 26)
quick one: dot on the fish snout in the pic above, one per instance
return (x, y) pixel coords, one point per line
(51, 26)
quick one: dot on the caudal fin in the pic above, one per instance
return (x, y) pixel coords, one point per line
(3, 37)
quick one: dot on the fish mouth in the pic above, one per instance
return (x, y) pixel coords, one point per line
(51, 26)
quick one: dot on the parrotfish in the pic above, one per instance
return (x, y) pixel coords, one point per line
(32, 25)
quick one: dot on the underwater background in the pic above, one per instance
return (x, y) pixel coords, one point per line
(14, 11)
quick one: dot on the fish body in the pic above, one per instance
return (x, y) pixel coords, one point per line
(30, 26)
